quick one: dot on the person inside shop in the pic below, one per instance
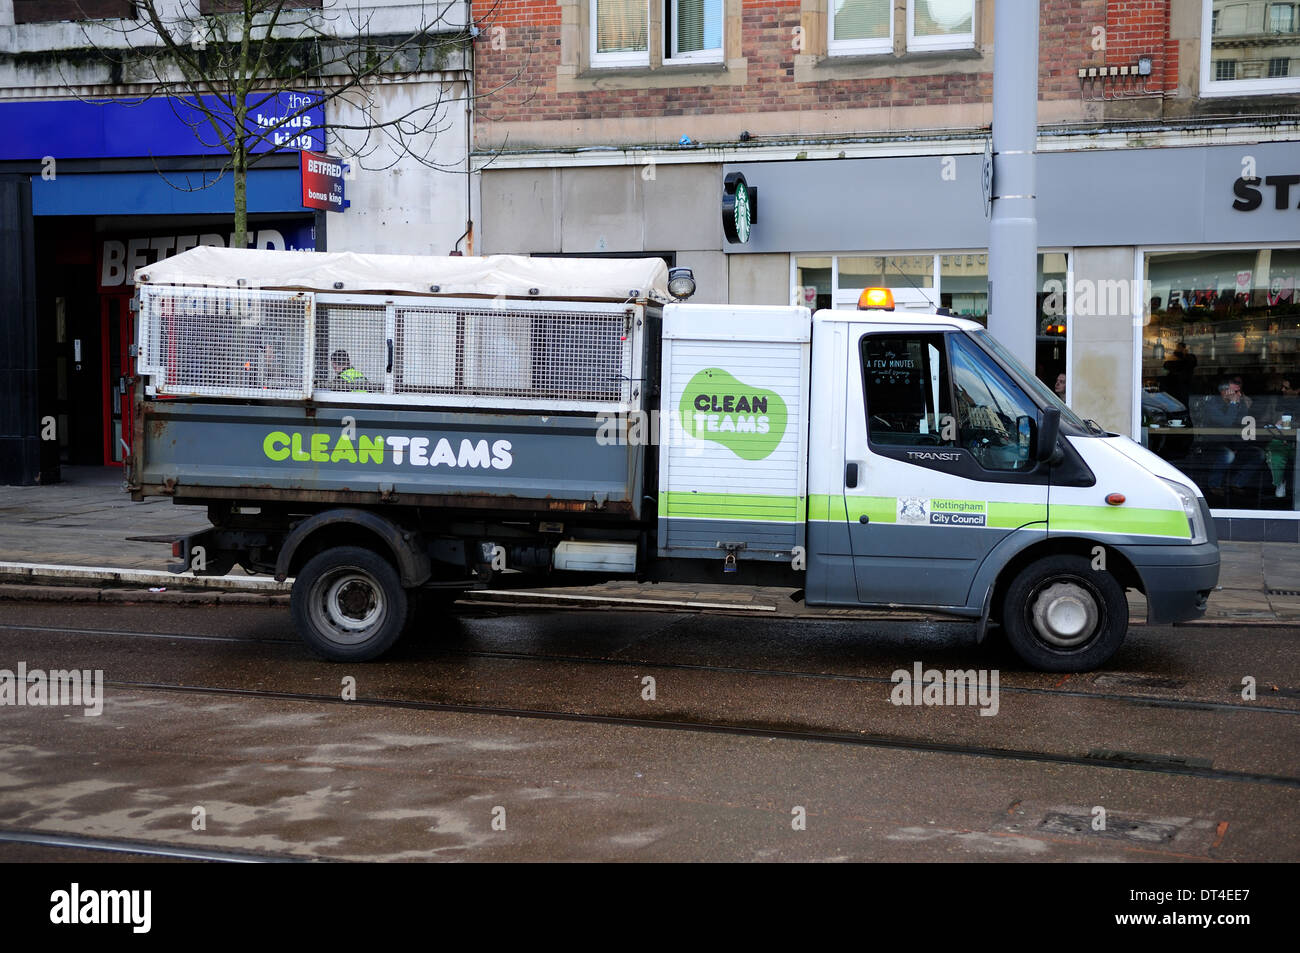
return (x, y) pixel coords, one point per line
(1238, 461)
(1059, 387)
(1179, 370)
(1279, 453)
(345, 372)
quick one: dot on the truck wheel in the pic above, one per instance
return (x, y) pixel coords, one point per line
(1061, 615)
(348, 604)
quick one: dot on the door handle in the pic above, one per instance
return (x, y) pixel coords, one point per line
(389, 370)
(851, 475)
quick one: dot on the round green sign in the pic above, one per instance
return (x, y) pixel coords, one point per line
(737, 208)
(741, 212)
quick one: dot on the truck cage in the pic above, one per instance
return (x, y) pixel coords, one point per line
(502, 332)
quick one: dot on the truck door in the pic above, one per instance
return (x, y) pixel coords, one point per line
(938, 463)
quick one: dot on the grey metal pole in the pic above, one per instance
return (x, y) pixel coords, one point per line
(1013, 231)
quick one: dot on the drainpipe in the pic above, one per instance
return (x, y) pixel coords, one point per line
(1013, 232)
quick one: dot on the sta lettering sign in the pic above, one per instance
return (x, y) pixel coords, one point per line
(1249, 192)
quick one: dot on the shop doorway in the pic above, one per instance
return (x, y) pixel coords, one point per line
(117, 334)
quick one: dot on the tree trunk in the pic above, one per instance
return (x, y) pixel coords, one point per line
(241, 195)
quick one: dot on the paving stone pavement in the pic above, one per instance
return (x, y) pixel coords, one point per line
(88, 520)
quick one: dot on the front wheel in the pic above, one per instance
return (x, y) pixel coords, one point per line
(1061, 615)
(348, 604)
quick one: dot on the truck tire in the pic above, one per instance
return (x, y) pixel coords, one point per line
(1061, 615)
(348, 604)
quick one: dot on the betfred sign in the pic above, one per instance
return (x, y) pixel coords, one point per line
(322, 182)
(120, 256)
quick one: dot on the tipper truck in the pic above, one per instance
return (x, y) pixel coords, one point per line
(392, 430)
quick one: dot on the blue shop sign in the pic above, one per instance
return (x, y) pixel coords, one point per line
(112, 129)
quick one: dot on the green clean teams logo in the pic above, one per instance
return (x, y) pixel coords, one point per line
(748, 421)
(394, 449)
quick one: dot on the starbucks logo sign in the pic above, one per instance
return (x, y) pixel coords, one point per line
(739, 207)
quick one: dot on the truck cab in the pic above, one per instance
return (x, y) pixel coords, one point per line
(951, 477)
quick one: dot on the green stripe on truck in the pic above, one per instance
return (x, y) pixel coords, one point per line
(1132, 521)
(734, 506)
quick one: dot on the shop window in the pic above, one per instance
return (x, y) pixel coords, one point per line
(50, 11)
(964, 285)
(940, 24)
(1221, 372)
(1246, 48)
(958, 281)
(814, 283)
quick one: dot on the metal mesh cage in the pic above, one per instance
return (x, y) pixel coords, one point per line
(351, 348)
(223, 341)
(452, 352)
(569, 355)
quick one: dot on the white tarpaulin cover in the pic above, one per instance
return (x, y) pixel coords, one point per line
(349, 272)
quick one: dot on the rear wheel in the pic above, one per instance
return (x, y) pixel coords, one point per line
(1061, 615)
(348, 604)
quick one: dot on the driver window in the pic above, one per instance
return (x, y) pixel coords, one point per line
(907, 395)
(990, 410)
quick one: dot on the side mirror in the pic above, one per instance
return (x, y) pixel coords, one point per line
(1026, 448)
(1049, 428)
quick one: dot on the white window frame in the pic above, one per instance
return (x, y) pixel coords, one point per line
(624, 60)
(952, 41)
(1210, 87)
(714, 55)
(836, 47)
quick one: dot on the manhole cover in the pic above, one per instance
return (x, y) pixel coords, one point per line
(1117, 828)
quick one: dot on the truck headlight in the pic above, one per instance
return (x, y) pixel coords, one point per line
(1192, 507)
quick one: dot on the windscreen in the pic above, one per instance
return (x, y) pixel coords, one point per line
(1040, 392)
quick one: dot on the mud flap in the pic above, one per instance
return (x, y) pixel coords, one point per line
(982, 629)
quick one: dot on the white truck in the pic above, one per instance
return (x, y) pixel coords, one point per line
(380, 426)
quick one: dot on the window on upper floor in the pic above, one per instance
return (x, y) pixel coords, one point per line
(940, 24)
(51, 11)
(623, 32)
(860, 27)
(694, 30)
(1247, 48)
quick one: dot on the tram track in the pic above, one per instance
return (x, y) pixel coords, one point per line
(733, 728)
(1196, 704)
